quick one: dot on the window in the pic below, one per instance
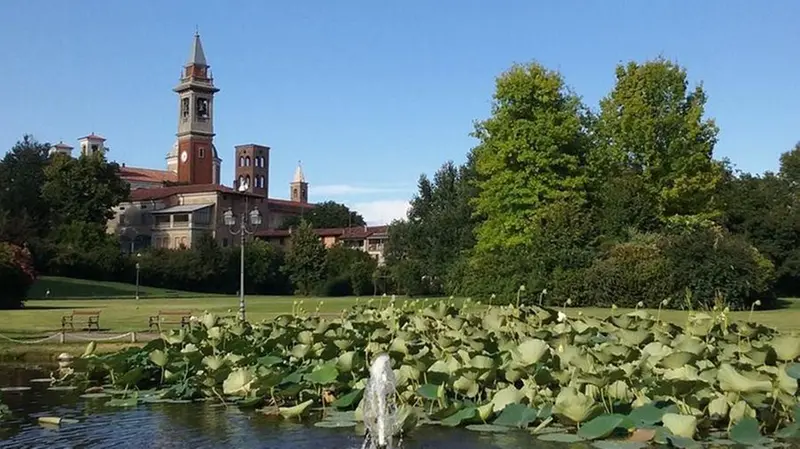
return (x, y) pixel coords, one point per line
(185, 108)
(241, 161)
(202, 152)
(94, 147)
(247, 161)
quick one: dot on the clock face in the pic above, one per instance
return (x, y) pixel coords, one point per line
(184, 156)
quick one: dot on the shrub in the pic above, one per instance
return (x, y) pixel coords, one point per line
(16, 275)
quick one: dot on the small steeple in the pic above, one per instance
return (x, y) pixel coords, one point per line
(197, 57)
(298, 173)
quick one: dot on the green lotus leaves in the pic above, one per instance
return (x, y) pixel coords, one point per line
(530, 352)
(238, 382)
(506, 396)
(787, 347)
(731, 380)
(492, 369)
(575, 406)
(681, 425)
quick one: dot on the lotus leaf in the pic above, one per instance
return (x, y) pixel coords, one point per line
(634, 337)
(89, 351)
(215, 334)
(681, 425)
(238, 382)
(677, 359)
(516, 415)
(464, 415)
(730, 380)
(506, 396)
(469, 387)
(741, 410)
(530, 352)
(603, 426)
(296, 411)
(718, 408)
(159, 358)
(646, 415)
(746, 432)
(787, 347)
(487, 428)
(619, 391)
(575, 406)
(323, 375)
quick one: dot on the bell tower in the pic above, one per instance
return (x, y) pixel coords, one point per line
(299, 187)
(197, 158)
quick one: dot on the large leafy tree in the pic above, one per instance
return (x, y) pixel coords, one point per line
(83, 189)
(23, 211)
(305, 259)
(328, 214)
(440, 227)
(652, 126)
(531, 155)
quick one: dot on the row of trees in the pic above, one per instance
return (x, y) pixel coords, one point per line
(53, 215)
(618, 205)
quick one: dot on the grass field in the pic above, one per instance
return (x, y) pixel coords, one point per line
(42, 317)
(62, 288)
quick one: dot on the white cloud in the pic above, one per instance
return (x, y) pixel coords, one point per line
(346, 189)
(381, 212)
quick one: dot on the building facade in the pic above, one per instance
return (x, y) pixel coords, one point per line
(172, 208)
(370, 239)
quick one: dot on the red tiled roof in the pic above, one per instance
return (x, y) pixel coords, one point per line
(135, 174)
(355, 232)
(163, 192)
(93, 136)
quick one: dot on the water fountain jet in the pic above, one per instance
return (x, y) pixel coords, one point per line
(380, 409)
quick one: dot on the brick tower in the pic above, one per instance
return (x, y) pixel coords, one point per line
(196, 153)
(252, 168)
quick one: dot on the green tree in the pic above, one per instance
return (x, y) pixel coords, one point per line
(349, 271)
(531, 155)
(439, 228)
(263, 263)
(23, 212)
(305, 259)
(328, 214)
(652, 125)
(83, 189)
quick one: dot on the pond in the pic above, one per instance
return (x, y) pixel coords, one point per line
(195, 426)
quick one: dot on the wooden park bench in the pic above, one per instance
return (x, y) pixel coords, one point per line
(92, 319)
(181, 317)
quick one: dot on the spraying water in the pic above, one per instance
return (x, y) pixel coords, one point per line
(380, 410)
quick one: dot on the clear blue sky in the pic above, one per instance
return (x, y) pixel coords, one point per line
(371, 94)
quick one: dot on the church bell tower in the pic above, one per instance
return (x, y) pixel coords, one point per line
(196, 153)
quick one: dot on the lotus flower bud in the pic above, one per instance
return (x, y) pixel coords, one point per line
(757, 303)
(522, 288)
(640, 304)
(613, 307)
(665, 302)
(619, 391)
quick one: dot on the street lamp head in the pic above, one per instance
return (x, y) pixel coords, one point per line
(228, 217)
(255, 217)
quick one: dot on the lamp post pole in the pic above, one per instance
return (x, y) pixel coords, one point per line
(254, 217)
(137, 275)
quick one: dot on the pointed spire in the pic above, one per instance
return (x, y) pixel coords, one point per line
(298, 173)
(197, 57)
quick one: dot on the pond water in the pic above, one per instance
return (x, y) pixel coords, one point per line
(195, 426)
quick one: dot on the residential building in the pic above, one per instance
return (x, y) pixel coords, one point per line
(370, 239)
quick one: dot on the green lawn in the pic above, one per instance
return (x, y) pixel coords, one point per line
(43, 316)
(61, 287)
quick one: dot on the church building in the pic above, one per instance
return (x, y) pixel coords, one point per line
(172, 208)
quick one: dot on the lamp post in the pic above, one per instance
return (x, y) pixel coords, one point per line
(138, 255)
(230, 221)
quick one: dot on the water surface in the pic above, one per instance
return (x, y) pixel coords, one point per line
(189, 426)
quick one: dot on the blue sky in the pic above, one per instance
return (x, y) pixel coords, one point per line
(371, 94)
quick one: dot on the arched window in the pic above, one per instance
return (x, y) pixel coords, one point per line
(261, 181)
(247, 180)
(247, 161)
(241, 180)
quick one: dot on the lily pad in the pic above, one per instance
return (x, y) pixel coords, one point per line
(95, 395)
(487, 428)
(746, 432)
(335, 424)
(601, 427)
(561, 437)
(14, 389)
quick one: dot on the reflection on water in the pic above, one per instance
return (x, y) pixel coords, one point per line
(195, 426)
